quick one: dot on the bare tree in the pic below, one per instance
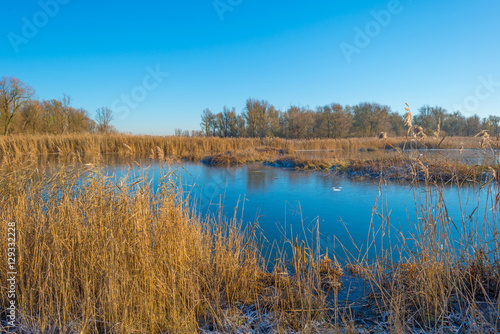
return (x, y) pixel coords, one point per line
(257, 118)
(103, 117)
(31, 115)
(207, 123)
(13, 95)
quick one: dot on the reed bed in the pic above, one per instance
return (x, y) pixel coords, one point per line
(199, 147)
(99, 255)
(442, 276)
(373, 164)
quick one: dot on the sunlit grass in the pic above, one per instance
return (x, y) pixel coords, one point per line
(199, 147)
(104, 256)
(100, 255)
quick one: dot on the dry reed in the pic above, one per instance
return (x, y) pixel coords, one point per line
(99, 255)
(190, 147)
(104, 256)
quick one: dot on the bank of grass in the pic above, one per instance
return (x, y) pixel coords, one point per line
(360, 157)
(96, 255)
(249, 155)
(200, 147)
(392, 164)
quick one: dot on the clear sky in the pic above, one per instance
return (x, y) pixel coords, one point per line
(216, 53)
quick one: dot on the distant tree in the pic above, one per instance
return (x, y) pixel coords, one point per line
(273, 118)
(52, 116)
(240, 123)
(454, 124)
(331, 121)
(13, 95)
(232, 120)
(67, 112)
(306, 120)
(397, 125)
(429, 118)
(227, 123)
(79, 121)
(292, 122)
(256, 117)
(472, 125)
(207, 123)
(492, 123)
(103, 117)
(31, 115)
(322, 122)
(59, 117)
(299, 123)
(370, 118)
(341, 121)
(196, 133)
(55, 116)
(218, 128)
(261, 119)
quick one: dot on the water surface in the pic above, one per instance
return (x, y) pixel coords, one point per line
(288, 202)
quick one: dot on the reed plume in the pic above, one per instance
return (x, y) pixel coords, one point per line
(417, 131)
(161, 154)
(407, 118)
(436, 133)
(485, 137)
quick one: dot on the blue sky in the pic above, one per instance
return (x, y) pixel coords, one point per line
(424, 52)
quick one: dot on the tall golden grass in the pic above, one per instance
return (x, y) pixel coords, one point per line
(98, 255)
(443, 275)
(197, 147)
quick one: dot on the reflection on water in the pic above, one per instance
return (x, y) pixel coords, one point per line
(286, 202)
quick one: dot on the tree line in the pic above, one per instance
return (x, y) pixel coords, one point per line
(261, 119)
(22, 113)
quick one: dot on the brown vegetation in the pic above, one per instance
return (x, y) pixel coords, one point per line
(359, 157)
(104, 256)
(200, 147)
(445, 276)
